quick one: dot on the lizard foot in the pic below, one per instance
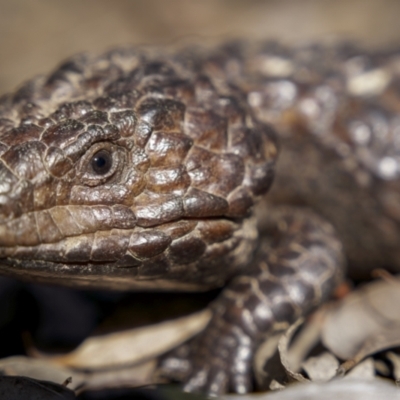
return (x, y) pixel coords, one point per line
(217, 361)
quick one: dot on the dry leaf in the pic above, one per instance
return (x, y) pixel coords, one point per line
(364, 370)
(365, 322)
(134, 345)
(267, 365)
(305, 340)
(129, 376)
(395, 360)
(283, 347)
(321, 368)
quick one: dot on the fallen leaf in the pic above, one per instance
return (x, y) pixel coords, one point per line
(365, 322)
(133, 345)
(321, 368)
(283, 347)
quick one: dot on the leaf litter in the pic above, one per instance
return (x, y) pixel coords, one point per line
(339, 340)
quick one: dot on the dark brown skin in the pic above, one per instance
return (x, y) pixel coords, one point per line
(144, 169)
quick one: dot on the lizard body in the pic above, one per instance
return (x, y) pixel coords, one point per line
(145, 169)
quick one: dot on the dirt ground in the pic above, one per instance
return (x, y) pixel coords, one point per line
(36, 35)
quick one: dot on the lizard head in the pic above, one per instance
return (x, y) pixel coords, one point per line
(127, 170)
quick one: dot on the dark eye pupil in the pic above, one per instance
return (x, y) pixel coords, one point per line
(101, 162)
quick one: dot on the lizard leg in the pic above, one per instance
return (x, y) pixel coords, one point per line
(299, 263)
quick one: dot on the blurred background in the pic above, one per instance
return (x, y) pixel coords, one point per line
(36, 35)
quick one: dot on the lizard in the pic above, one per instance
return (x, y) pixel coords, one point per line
(146, 168)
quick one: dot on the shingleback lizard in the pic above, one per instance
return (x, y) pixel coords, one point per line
(144, 168)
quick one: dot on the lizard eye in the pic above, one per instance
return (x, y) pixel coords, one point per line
(101, 162)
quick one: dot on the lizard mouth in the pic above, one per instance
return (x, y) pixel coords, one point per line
(113, 234)
(184, 240)
(189, 254)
